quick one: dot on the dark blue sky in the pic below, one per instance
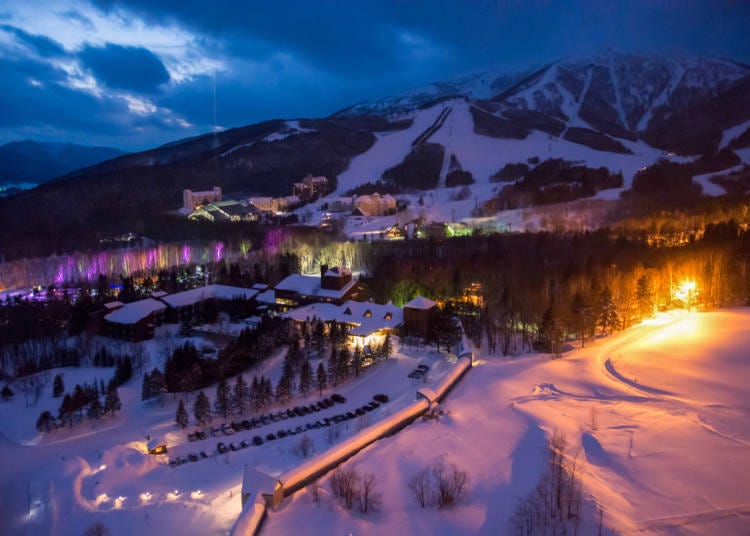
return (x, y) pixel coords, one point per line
(134, 74)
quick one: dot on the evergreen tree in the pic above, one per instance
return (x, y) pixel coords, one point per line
(607, 311)
(322, 378)
(66, 410)
(146, 387)
(201, 408)
(645, 297)
(240, 395)
(551, 330)
(58, 387)
(95, 409)
(112, 400)
(580, 317)
(256, 394)
(45, 422)
(333, 366)
(387, 348)
(319, 338)
(305, 378)
(181, 417)
(221, 403)
(157, 383)
(267, 391)
(342, 365)
(357, 360)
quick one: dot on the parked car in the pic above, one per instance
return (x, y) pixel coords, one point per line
(222, 448)
(270, 437)
(237, 427)
(192, 437)
(201, 434)
(281, 434)
(215, 431)
(232, 446)
(257, 440)
(203, 454)
(338, 398)
(227, 429)
(244, 444)
(173, 463)
(246, 424)
(193, 457)
(381, 398)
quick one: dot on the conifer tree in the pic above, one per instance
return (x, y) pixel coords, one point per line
(95, 409)
(322, 378)
(239, 395)
(112, 400)
(58, 387)
(201, 408)
(181, 417)
(305, 378)
(221, 403)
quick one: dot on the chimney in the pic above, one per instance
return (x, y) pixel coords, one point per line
(323, 270)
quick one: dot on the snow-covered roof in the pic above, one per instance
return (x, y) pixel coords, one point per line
(338, 272)
(130, 313)
(197, 295)
(113, 305)
(421, 302)
(309, 285)
(256, 482)
(159, 294)
(428, 393)
(268, 296)
(365, 317)
(260, 286)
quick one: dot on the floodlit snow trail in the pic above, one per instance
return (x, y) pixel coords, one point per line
(616, 88)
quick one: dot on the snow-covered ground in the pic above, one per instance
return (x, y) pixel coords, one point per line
(65, 482)
(667, 452)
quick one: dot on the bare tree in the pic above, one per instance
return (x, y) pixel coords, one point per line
(370, 498)
(303, 447)
(97, 529)
(344, 482)
(420, 487)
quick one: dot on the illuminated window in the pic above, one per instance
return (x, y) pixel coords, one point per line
(348, 311)
(388, 316)
(368, 314)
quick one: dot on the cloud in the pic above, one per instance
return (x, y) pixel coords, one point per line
(132, 68)
(39, 44)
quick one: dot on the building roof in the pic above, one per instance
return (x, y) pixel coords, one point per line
(197, 295)
(159, 294)
(365, 317)
(255, 482)
(420, 302)
(269, 296)
(113, 305)
(338, 271)
(260, 286)
(130, 313)
(309, 285)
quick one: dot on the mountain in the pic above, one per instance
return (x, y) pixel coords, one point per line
(37, 162)
(574, 116)
(482, 85)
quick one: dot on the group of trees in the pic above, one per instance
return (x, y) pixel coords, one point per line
(86, 398)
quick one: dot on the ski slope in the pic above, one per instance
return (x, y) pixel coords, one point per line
(667, 453)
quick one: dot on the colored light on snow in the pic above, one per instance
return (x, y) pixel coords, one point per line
(197, 494)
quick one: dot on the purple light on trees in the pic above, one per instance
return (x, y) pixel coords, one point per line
(218, 251)
(186, 254)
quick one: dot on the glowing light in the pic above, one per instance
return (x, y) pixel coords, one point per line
(686, 293)
(197, 494)
(119, 500)
(145, 497)
(103, 498)
(219, 251)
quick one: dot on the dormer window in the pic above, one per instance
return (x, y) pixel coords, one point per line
(348, 311)
(388, 316)
(368, 314)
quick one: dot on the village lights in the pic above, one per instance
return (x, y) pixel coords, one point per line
(197, 494)
(145, 497)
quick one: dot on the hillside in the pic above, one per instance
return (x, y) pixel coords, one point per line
(613, 111)
(37, 162)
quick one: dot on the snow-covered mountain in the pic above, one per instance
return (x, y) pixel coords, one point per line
(482, 85)
(616, 111)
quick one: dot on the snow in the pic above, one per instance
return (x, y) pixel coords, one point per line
(101, 471)
(309, 285)
(667, 453)
(421, 302)
(663, 98)
(710, 188)
(352, 313)
(731, 133)
(390, 148)
(196, 295)
(130, 313)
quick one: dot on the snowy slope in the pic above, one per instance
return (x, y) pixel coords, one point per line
(665, 453)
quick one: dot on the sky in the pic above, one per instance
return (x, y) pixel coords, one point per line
(138, 73)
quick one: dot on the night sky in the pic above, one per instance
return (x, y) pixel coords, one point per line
(135, 74)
